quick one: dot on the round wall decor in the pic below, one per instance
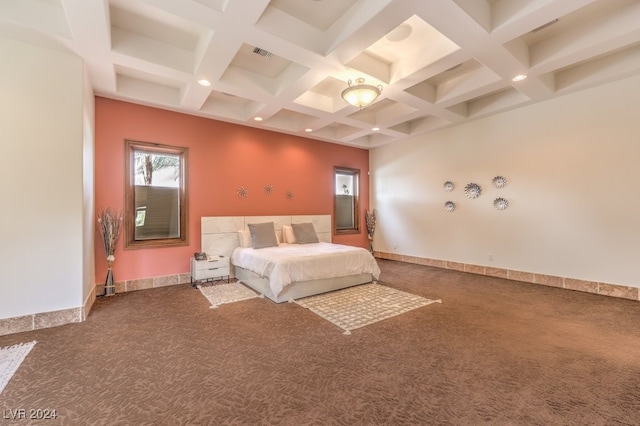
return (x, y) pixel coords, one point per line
(499, 182)
(449, 206)
(242, 192)
(472, 190)
(500, 203)
(449, 186)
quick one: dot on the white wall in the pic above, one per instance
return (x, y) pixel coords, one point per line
(41, 173)
(88, 189)
(573, 188)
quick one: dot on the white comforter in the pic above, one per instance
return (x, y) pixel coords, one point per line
(289, 263)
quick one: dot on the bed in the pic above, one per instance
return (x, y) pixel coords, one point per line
(287, 271)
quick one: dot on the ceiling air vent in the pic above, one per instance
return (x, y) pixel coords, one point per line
(262, 52)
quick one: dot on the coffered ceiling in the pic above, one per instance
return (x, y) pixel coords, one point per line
(439, 62)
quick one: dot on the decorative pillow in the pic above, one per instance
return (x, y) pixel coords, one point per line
(288, 235)
(263, 235)
(245, 238)
(305, 233)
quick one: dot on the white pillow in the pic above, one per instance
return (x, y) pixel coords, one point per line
(287, 235)
(245, 238)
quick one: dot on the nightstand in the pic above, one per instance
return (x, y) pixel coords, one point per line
(214, 268)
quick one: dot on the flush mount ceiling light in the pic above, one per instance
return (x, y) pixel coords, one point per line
(204, 82)
(360, 95)
(519, 77)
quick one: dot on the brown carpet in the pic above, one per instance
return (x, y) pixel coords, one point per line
(495, 352)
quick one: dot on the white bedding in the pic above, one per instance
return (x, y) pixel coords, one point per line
(290, 263)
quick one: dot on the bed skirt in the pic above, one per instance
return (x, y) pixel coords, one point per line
(299, 289)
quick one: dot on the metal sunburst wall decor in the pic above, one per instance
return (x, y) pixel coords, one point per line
(472, 190)
(500, 203)
(289, 195)
(499, 182)
(449, 186)
(268, 189)
(449, 206)
(242, 192)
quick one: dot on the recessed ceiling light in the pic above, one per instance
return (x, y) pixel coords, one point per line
(258, 118)
(519, 77)
(204, 83)
(307, 129)
(375, 129)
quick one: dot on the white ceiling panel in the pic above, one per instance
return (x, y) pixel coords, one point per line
(439, 63)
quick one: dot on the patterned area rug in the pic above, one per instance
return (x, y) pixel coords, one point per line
(362, 305)
(10, 359)
(219, 294)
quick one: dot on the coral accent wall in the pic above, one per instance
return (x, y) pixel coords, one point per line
(222, 157)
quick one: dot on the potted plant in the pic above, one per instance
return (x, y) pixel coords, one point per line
(109, 222)
(370, 218)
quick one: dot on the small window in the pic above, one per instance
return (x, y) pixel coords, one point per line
(346, 200)
(155, 195)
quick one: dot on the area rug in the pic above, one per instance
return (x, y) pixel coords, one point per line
(219, 294)
(365, 304)
(10, 359)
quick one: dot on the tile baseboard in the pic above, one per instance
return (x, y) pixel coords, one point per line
(146, 283)
(41, 320)
(604, 289)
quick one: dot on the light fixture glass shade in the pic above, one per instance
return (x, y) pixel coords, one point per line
(360, 95)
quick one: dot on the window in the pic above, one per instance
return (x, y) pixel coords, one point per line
(346, 206)
(155, 195)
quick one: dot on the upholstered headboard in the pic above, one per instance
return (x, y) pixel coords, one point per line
(219, 234)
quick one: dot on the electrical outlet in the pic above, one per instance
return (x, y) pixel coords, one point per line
(490, 257)
(395, 246)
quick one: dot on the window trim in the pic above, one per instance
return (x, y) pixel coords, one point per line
(129, 205)
(356, 200)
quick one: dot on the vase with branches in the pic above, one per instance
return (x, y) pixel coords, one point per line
(370, 218)
(109, 223)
